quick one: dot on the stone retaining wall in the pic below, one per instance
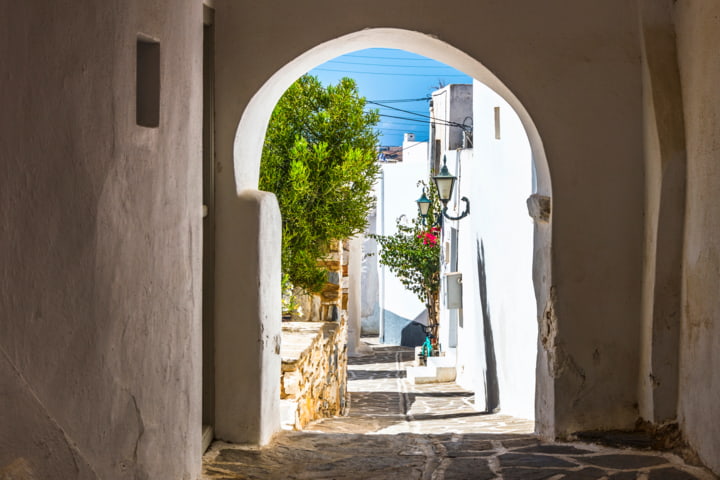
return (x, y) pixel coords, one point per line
(313, 384)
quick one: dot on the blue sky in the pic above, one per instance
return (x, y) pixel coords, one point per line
(390, 76)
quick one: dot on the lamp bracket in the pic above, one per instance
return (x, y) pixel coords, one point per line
(436, 223)
(462, 215)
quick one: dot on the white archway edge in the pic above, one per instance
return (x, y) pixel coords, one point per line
(248, 334)
(250, 133)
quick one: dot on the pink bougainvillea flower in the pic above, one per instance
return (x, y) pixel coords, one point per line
(429, 239)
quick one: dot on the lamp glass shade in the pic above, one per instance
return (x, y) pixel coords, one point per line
(445, 182)
(423, 204)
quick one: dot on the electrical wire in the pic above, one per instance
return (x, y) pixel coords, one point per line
(414, 145)
(391, 74)
(435, 120)
(425, 143)
(403, 130)
(391, 124)
(426, 67)
(426, 122)
(405, 118)
(423, 59)
(401, 100)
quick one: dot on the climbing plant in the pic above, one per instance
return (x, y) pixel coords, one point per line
(319, 159)
(413, 255)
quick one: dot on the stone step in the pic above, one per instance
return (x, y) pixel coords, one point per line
(445, 361)
(431, 374)
(288, 414)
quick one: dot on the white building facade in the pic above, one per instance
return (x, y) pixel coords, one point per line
(495, 329)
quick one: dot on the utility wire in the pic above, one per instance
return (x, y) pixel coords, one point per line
(403, 130)
(403, 149)
(424, 59)
(405, 118)
(427, 67)
(391, 74)
(394, 124)
(401, 100)
(415, 145)
(436, 120)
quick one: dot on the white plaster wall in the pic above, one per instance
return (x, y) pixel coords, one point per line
(698, 34)
(248, 328)
(396, 193)
(354, 307)
(101, 242)
(370, 281)
(665, 187)
(496, 254)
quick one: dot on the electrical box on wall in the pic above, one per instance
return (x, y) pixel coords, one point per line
(453, 290)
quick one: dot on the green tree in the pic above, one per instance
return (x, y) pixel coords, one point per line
(319, 159)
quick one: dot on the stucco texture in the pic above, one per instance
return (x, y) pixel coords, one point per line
(100, 218)
(698, 34)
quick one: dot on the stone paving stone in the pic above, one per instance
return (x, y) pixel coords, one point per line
(378, 463)
(590, 473)
(623, 476)
(517, 473)
(618, 439)
(519, 442)
(670, 474)
(623, 461)
(469, 468)
(530, 460)
(395, 430)
(468, 448)
(556, 449)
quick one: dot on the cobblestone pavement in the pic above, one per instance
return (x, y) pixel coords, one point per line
(396, 430)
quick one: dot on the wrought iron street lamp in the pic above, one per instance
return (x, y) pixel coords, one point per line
(423, 204)
(445, 183)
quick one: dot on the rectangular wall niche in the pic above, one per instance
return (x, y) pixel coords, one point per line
(148, 83)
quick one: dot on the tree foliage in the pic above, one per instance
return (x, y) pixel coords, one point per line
(319, 159)
(413, 255)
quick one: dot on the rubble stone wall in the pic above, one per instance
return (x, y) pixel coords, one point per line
(313, 384)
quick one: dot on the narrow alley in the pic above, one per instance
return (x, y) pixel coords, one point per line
(397, 430)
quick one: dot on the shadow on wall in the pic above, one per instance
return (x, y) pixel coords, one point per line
(402, 331)
(492, 389)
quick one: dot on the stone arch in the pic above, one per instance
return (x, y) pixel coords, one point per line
(247, 148)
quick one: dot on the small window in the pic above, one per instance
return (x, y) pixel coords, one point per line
(497, 123)
(148, 83)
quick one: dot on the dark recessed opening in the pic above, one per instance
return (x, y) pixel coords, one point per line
(148, 83)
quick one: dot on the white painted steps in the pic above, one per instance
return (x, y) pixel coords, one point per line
(438, 370)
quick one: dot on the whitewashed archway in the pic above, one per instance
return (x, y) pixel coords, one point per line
(250, 135)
